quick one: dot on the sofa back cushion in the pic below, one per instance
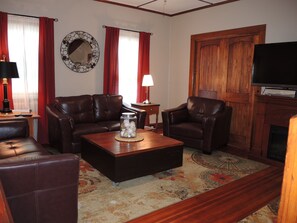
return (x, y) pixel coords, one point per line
(107, 107)
(80, 108)
(199, 107)
(13, 129)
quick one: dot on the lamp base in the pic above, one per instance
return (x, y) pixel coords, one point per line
(146, 102)
(6, 107)
(6, 111)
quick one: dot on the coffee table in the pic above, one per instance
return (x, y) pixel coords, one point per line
(121, 161)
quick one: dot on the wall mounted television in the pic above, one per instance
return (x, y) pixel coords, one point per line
(275, 65)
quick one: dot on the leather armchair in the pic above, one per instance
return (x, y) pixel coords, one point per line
(200, 123)
(39, 187)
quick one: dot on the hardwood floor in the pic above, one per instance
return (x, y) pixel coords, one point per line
(229, 203)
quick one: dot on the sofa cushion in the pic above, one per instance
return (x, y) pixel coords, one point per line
(80, 108)
(86, 128)
(111, 125)
(199, 107)
(21, 147)
(107, 107)
(13, 129)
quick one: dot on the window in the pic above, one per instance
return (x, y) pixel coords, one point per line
(128, 65)
(23, 40)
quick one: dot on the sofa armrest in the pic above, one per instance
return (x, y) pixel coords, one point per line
(14, 128)
(216, 129)
(60, 128)
(140, 113)
(173, 116)
(42, 188)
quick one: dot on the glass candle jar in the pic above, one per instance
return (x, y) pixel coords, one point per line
(128, 125)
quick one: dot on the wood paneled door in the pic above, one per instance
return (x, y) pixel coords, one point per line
(221, 68)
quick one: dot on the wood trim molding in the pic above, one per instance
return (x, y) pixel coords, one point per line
(166, 14)
(288, 208)
(229, 33)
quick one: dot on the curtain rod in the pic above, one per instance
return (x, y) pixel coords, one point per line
(30, 16)
(131, 30)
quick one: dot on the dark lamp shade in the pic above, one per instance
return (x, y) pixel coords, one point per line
(8, 70)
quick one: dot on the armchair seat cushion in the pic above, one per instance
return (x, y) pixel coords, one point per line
(187, 129)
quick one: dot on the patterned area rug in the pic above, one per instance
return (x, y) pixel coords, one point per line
(101, 201)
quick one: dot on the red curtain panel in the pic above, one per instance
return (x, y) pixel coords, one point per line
(111, 67)
(143, 63)
(46, 74)
(4, 56)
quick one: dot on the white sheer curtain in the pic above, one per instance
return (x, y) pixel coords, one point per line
(23, 39)
(128, 65)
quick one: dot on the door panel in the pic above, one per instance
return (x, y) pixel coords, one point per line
(240, 124)
(209, 60)
(240, 64)
(240, 55)
(221, 67)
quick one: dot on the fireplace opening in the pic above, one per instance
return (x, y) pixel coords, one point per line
(277, 144)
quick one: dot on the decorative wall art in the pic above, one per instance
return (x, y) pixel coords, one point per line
(80, 51)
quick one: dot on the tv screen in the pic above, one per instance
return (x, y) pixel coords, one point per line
(275, 65)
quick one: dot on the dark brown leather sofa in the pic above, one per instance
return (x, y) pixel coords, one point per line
(39, 187)
(200, 123)
(71, 117)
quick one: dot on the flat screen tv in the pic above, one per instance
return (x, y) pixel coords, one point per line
(275, 65)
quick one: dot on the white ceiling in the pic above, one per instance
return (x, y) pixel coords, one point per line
(168, 7)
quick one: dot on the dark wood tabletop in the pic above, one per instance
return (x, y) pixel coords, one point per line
(151, 141)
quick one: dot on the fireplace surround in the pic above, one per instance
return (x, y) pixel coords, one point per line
(270, 125)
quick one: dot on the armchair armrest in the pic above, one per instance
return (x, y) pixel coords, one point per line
(46, 185)
(174, 116)
(141, 114)
(14, 128)
(216, 129)
(60, 129)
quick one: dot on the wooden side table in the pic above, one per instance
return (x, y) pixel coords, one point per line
(151, 109)
(12, 116)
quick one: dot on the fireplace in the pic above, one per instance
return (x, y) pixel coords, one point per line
(270, 126)
(277, 143)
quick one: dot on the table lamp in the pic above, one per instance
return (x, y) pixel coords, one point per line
(7, 70)
(147, 82)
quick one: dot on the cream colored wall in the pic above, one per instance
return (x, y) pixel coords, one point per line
(170, 43)
(89, 16)
(280, 16)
